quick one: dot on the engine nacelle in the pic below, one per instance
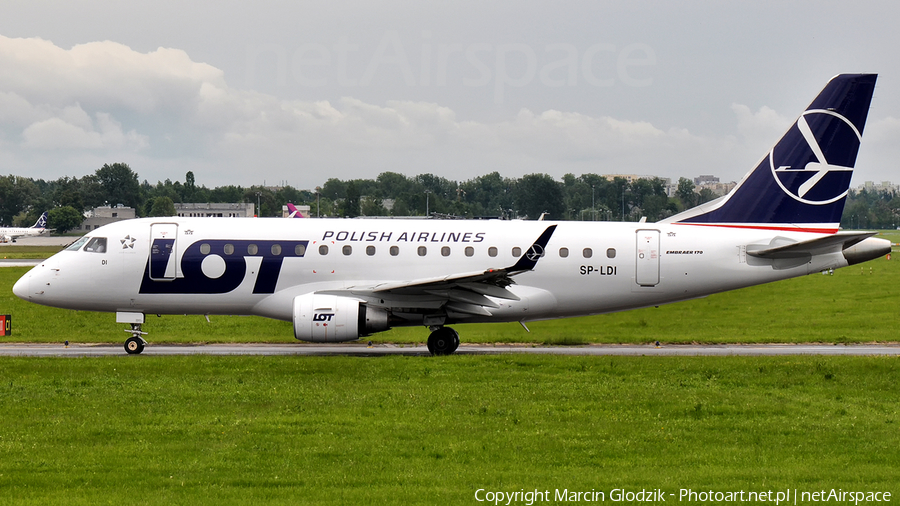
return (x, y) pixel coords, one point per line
(331, 318)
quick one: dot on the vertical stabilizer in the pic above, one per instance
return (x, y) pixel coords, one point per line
(802, 182)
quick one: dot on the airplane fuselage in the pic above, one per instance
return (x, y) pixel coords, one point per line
(252, 266)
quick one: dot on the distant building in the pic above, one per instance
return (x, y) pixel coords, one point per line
(627, 177)
(882, 187)
(100, 216)
(705, 179)
(214, 210)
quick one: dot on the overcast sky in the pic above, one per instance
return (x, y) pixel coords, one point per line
(298, 92)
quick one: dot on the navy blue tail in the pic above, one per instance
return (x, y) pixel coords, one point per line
(41, 222)
(804, 179)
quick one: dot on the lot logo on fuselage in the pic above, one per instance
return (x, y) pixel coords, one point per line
(216, 266)
(814, 160)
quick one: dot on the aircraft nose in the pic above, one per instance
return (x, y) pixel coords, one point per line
(21, 288)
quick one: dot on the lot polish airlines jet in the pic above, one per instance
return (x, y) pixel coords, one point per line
(10, 234)
(339, 280)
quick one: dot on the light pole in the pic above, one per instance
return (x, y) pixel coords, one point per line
(318, 214)
(593, 218)
(257, 203)
(427, 192)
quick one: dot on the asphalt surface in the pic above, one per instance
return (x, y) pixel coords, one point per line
(362, 350)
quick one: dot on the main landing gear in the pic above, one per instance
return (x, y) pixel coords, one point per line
(135, 344)
(443, 341)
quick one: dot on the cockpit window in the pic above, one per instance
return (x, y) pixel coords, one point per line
(96, 245)
(75, 246)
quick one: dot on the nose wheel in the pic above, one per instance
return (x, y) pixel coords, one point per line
(443, 341)
(135, 344)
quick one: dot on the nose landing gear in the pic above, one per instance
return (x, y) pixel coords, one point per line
(135, 344)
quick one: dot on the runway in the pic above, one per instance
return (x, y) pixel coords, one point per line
(362, 350)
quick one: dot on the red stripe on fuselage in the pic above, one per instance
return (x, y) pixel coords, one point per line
(765, 227)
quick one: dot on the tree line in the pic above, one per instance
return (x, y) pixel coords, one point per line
(584, 197)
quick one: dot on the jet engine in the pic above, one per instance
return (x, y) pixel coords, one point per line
(330, 318)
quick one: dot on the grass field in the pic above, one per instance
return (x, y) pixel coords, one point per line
(856, 304)
(403, 430)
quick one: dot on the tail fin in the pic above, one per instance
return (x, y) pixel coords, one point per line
(802, 183)
(295, 213)
(41, 222)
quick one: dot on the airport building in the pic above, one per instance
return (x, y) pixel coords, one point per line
(215, 210)
(99, 216)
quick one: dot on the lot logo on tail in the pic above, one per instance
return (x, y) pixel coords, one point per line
(806, 172)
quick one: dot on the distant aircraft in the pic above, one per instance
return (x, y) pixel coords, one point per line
(295, 213)
(338, 280)
(10, 234)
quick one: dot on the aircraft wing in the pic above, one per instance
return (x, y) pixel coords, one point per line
(463, 293)
(795, 249)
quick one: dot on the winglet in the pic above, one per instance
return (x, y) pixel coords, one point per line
(534, 253)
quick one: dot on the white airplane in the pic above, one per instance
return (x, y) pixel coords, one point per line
(10, 234)
(339, 280)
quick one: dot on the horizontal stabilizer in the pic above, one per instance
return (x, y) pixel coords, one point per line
(796, 249)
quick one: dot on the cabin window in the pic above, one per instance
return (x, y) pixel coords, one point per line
(276, 249)
(563, 252)
(347, 250)
(252, 249)
(422, 251)
(323, 249)
(587, 252)
(300, 250)
(470, 251)
(492, 251)
(611, 253)
(395, 251)
(445, 251)
(370, 250)
(96, 245)
(228, 249)
(204, 249)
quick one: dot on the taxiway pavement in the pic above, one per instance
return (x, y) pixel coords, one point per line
(100, 350)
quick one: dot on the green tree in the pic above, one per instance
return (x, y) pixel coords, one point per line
(68, 193)
(16, 194)
(64, 218)
(162, 206)
(685, 193)
(540, 193)
(120, 185)
(351, 203)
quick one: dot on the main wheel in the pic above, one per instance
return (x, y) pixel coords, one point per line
(134, 345)
(443, 341)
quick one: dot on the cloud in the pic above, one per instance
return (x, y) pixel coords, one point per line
(57, 133)
(165, 114)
